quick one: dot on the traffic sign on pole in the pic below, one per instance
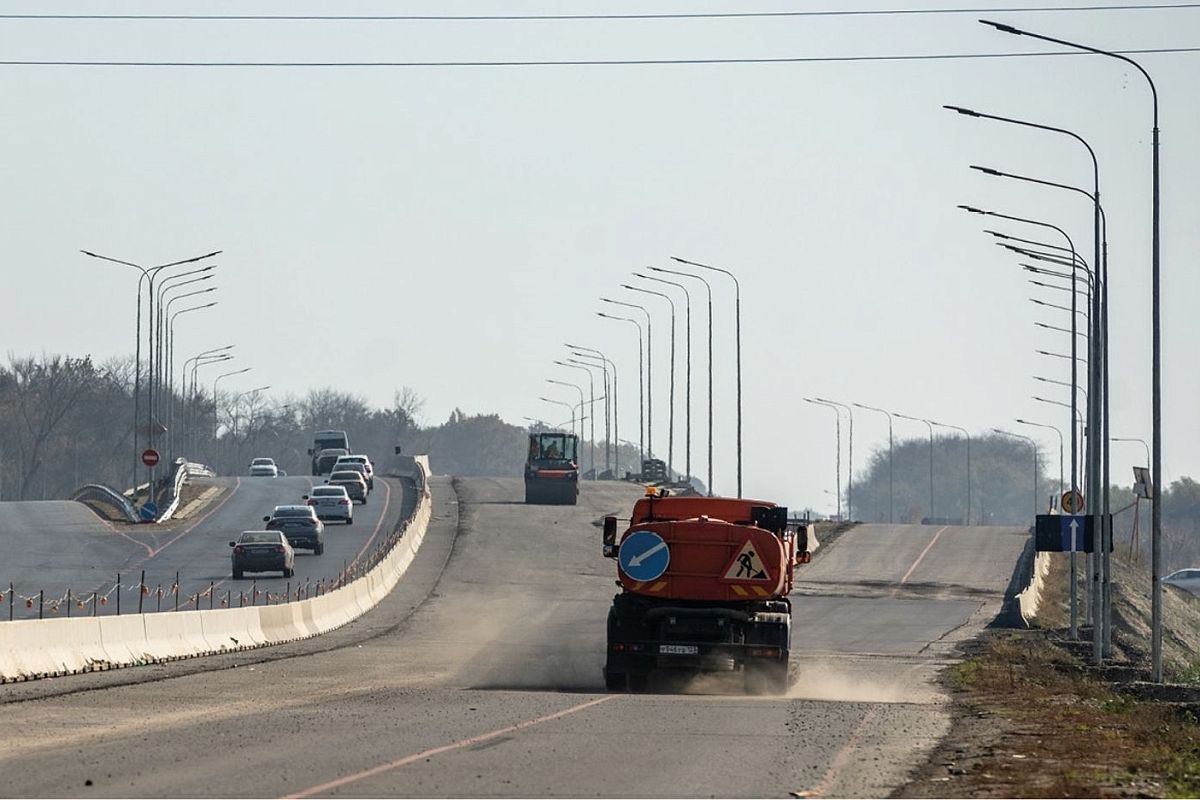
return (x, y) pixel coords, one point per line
(1072, 502)
(150, 457)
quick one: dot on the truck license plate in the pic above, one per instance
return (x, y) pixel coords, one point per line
(678, 649)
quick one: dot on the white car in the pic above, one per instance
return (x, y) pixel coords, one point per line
(264, 468)
(1186, 579)
(331, 503)
(360, 464)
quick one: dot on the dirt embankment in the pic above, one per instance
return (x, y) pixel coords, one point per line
(1031, 718)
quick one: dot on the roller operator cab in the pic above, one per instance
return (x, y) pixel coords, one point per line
(704, 588)
(551, 469)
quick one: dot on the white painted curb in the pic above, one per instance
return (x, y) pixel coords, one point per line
(1030, 597)
(41, 648)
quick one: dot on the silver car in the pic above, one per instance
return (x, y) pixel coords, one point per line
(331, 503)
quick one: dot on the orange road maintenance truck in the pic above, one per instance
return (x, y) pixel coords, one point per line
(704, 588)
(551, 470)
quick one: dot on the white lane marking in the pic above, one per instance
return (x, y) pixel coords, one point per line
(928, 547)
(433, 751)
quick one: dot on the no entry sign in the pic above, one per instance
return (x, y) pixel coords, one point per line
(150, 457)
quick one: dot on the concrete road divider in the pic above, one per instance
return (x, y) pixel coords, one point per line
(32, 649)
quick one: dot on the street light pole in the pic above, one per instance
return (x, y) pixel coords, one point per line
(582, 401)
(591, 411)
(708, 290)
(146, 273)
(837, 415)
(1156, 348)
(609, 399)
(649, 371)
(570, 408)
(671, 394)
(850, 466)
(891, 496)
(687, 305)
(737, 288)
(967, 434)
(608, 366)
(171, 373)
(930, 426)
(1033, 446)
(641, 390)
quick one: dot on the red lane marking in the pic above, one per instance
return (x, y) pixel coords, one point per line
(152, 552)
(387, 499)
(433, 751)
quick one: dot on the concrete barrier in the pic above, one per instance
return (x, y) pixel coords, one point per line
(32, 649)
(1029, 598)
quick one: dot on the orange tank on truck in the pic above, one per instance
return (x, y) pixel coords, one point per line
(704, 587)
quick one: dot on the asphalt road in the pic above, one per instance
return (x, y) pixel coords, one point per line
(480, 675)
(54, 545)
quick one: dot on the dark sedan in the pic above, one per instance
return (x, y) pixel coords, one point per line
(263, 551)
(300, 525)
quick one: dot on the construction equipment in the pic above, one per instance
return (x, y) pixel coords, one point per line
(704, 588)
(551, 469)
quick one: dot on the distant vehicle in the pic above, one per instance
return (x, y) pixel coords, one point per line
(263, 551)
(366, 462)
(1186, 579)
(264, 468)
(300, 525)
(344, 463)
(551, 472)
(331, 502)
(323, 463)
(354, 483)
(327, 440)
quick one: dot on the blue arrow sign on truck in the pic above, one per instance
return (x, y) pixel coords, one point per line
(644, 556)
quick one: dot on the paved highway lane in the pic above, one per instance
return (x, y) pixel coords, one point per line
(480, 675)
(55, 545)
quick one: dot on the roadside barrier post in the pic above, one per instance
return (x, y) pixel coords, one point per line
(175, 589)
(95, 604)
(212, 585)
(69, 601)
(10, 601)
(119, 597)
(41, 602)
(141, 591)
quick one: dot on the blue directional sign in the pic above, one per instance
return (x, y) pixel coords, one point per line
(149, 511)
(644, 556)
(1064, 533)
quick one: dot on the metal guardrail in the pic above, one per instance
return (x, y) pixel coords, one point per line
(99, 493)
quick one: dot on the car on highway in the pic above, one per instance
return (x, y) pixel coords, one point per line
(262, 551)
(1186, 579)
(264, 468)
(330, 503)
(354, 483)
(300, 525)
(360, 464)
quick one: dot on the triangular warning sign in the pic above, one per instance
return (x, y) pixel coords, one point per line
(746, 566)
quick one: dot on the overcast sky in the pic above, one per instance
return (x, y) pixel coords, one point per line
(448, 228)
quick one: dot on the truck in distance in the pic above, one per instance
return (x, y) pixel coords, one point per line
(327, 440)
(704, 588)
(551, 469)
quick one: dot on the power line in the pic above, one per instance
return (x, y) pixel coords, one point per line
(584, 62)
(572, 17)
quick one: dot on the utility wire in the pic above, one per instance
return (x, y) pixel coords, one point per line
(571, 17)
(583, 62)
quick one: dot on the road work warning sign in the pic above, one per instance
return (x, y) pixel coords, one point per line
(746, 566)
